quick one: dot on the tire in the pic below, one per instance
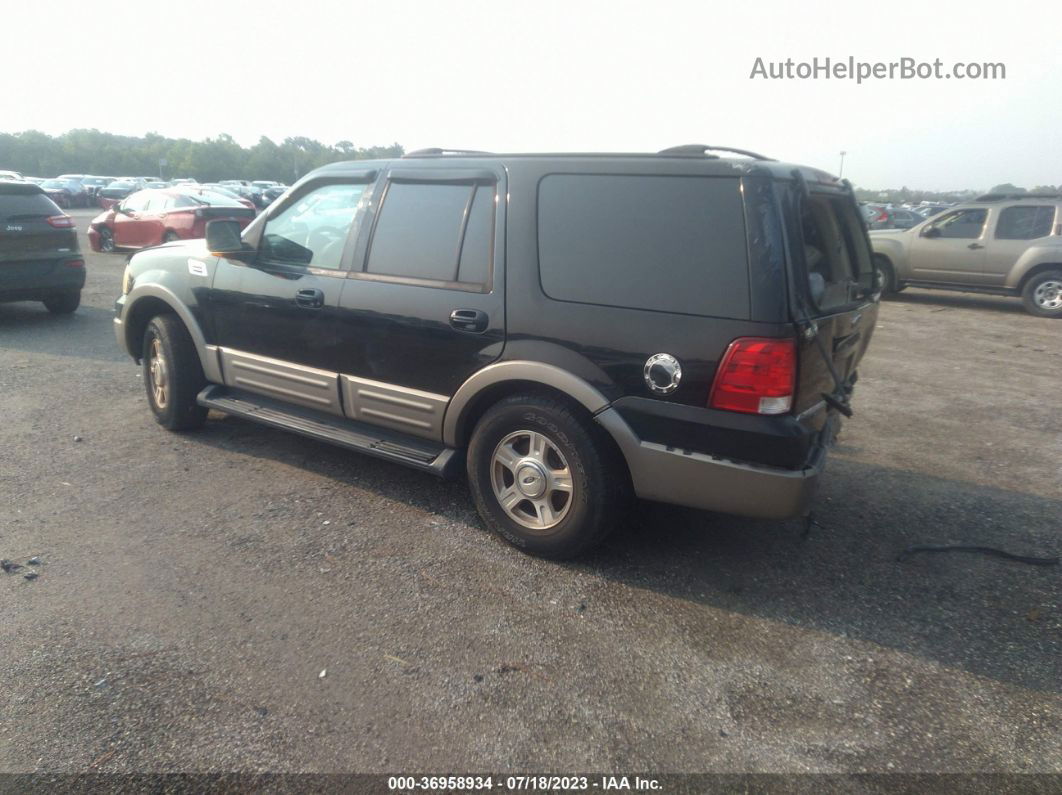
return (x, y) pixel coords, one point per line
(106, 240)
(64, 303)
(576, 517)
(173, 375)
(886, 276)
(1042, 294)
(170, 236)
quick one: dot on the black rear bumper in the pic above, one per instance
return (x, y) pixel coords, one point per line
(782, 441)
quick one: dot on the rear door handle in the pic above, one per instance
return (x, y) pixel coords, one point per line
(311, 299)
(474, 320)
(975, 245)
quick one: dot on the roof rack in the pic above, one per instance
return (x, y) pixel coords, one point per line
(690, 150)
(435, 150)
(999, 197)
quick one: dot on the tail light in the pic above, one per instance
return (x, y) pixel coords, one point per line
(60, 221)
(756, 376)
(75, 263)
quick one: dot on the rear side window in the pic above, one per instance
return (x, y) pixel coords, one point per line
(430, 231)
(29, 204)
(1025, 223)
(669, 244)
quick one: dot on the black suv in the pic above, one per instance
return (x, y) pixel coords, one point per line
(39, 255)
(569, 329)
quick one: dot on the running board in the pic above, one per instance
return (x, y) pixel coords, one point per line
(422, 454)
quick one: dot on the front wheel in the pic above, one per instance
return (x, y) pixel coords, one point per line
(1042, 294)
(173, 375)
(886, 276)
(170, 236)
(106, 240)
(543, 478)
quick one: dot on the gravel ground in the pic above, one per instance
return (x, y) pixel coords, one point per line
(242, 599)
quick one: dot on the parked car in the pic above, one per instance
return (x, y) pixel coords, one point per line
(227, 191)
(270, 195)
(112, 194)
(881, 217)
(567, 329)
(183, 181)
(10, 175)
(93, 185)
(34, 180)
(66, 193)
(152, 217)
(246, 189)
(39, 255)
(1003, 244)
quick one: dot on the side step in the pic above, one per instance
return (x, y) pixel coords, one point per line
(422, 454)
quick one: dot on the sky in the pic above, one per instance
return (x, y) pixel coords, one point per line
(556, 76)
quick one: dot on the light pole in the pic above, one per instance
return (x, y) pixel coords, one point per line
(841, 171)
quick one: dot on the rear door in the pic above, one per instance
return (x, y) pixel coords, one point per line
(837, 267)
(1014, 230)
(424, 307)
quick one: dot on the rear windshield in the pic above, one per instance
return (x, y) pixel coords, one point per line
(31, 204)
(663, 243)
(835, 250)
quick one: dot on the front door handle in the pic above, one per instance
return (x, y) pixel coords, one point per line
(311, 299)
(474, 320)
(975, 245)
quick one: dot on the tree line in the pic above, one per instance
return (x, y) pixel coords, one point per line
(34, 153)
(905, 194)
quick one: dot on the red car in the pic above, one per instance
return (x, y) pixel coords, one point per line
(150, 217)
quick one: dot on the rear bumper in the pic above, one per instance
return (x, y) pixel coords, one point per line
(30, 282)
(698, 480)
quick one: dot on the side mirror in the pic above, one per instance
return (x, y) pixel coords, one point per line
(223, 237)
(931, 231)
(120, 208)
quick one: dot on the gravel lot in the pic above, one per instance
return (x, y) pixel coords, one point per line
(242, 599)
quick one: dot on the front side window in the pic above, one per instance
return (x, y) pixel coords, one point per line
(313, 229)
(962, 224)
(1025, 223)
(435, 231)
(136, 203)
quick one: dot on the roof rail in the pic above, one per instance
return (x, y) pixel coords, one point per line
(689, 150)
(998, 197)
(435, 150)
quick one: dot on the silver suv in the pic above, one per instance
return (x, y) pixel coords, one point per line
(1003, 244)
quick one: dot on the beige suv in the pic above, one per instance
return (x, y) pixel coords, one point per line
(1004, 244)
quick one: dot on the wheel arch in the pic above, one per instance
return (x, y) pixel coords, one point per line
(496, 381)
(1036, 270)
(150, 300)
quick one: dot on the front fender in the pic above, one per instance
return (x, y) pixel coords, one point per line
(895, 250)
(159, 290)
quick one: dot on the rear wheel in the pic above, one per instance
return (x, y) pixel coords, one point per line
(173, 375)
(106, 240)
(1042, 294)
(543, 478)
(170, 236)
(63, 303)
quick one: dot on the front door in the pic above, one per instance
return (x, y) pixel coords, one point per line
(132, 225)
(951, 249)
(423, 308)
(273, 313)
